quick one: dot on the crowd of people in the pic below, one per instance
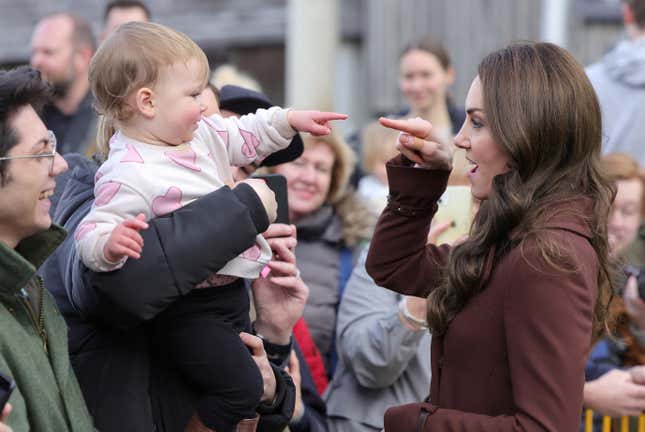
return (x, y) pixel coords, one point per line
(147, 285)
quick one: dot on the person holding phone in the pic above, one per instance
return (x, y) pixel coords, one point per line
(512, 309)
(108, 324)
(33, 341)
(333, 226)
(309, 411)
(163, 154)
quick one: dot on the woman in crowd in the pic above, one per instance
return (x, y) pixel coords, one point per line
(512, 308)
(425, 76)
(383, 355)
(331, 224)
(611, 389)
(383, 351)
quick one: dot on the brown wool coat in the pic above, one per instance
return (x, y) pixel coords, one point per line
(513, 359)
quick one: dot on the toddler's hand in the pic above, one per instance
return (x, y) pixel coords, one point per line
(314, 122)
(125, 240)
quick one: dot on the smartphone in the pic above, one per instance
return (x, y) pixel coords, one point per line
(278, 184)
(455, 207)
(6, 388)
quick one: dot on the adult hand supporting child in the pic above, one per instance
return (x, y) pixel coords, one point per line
(260, 357)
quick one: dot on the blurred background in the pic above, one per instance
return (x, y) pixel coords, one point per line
(344, 53)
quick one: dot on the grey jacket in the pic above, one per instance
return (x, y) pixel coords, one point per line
(381, 362)
(318, 255)
(619, 81)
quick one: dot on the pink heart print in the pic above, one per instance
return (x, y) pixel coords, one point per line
(250, 144)
(223, 134)
(131, 155)
(168, 202)
(82, 230)
(252, 253)
(184, 158)
(105, 193)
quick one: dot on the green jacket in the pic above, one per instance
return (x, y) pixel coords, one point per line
(33, 343)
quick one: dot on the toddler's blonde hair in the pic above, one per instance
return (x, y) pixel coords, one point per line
(378, 143)
(129, 59)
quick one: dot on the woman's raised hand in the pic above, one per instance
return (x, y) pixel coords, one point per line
(417, 143)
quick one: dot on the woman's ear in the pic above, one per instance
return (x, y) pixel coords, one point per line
(144, 100)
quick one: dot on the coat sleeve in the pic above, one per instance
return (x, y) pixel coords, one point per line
(547, 319)
(372, 341)
(275, 417)
(251, 137)
(399, 258)
(180, 250)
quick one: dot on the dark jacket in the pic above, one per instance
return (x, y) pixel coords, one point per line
(513, 359)
(314, 418)
(127, 386)
(75, 131)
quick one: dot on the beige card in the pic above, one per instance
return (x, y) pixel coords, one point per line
(455, 205)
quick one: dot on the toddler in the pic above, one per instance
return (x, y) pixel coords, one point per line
(378, 147)
(147, 80)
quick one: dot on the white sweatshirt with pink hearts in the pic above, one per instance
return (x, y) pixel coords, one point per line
(155, 180)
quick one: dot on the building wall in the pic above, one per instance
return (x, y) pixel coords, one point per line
(251, 34)
(469, 29)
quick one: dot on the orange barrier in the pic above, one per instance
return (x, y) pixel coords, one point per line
(607, 423)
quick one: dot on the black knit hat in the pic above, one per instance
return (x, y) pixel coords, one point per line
(244, 101)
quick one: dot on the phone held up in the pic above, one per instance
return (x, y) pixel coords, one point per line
(278, 184)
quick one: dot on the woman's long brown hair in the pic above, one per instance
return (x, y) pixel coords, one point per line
(543, 111)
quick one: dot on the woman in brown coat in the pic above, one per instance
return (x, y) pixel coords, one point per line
(512, 308)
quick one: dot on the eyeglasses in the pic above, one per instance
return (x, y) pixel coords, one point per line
(51, 141)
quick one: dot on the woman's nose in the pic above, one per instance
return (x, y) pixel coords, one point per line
(461, 140)
(308, 174)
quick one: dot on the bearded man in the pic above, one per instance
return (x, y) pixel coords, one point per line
(62, 46)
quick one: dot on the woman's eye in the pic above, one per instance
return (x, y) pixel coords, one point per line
(323, 169)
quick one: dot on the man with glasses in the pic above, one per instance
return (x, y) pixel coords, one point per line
(33, 335)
